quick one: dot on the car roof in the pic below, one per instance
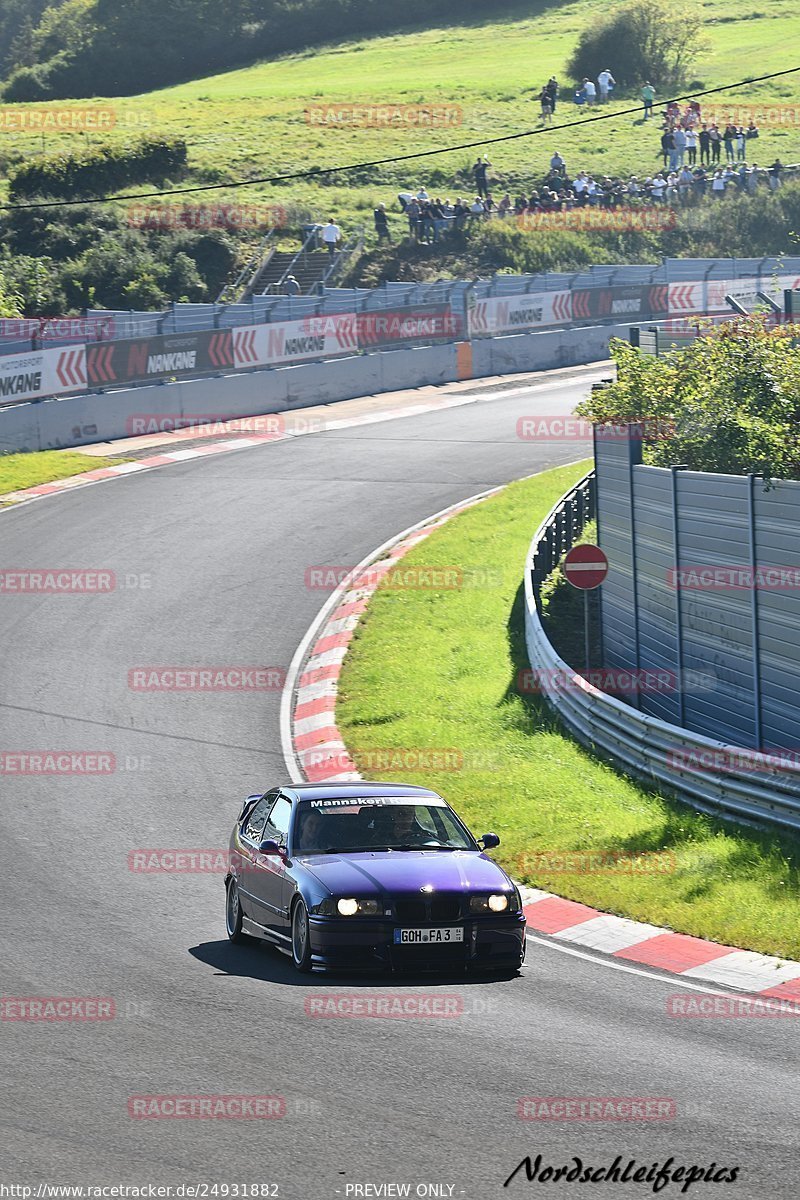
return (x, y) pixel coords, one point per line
(332, 791)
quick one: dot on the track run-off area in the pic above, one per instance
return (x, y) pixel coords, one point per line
(213, 564)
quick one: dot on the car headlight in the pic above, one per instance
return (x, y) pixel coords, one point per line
(350, 907)
(496, 903)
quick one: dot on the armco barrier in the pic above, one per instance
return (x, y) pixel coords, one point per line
(95, 417)
(699, 770)
(84, 419)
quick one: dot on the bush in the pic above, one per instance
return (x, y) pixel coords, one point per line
(642, 40)
(101, 171)
(731, 400)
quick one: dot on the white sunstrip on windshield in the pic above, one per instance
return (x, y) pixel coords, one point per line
(379, 801)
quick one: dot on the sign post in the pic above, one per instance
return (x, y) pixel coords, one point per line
(585, 567)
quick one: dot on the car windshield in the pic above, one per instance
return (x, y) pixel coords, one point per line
(347, 825)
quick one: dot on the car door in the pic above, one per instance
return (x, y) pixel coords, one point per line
(269, 885)
(251, 832)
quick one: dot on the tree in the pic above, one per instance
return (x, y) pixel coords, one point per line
(641, 40)
(729, 402)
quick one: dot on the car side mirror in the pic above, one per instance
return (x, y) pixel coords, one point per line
(270, 847)
(490, 840)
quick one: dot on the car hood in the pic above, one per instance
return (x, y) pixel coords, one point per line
(368, 872)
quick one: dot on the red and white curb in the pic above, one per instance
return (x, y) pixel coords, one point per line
(165, 459)
(315, 752)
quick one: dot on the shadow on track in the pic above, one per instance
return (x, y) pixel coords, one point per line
(268, 964)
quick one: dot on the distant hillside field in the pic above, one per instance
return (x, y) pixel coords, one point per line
(266, 120)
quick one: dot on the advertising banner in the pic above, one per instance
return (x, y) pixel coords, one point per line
(412, 324)
(180, 355)
(709, 297)
(287, 342)
(633, 300)
(39, 373)
(509, 314)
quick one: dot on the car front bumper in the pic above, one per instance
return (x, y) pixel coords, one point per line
(496, 942)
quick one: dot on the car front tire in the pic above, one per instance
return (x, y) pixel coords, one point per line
(301, 938)
(233, 914)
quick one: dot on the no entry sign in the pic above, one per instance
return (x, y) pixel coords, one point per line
(586, 567)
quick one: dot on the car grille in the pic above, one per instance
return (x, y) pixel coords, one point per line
(433, 910)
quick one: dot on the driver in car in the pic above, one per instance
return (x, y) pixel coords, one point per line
(397, 825)
(312, 832)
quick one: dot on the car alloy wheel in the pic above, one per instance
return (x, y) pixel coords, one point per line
(301, 938)
(233, 913)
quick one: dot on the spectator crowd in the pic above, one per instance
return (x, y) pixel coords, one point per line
(693, 168)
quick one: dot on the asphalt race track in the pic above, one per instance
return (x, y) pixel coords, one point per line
(210, 558)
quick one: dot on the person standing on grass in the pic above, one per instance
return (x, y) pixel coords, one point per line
(684, 185)
(679, 138)
(382, 223)
(718, 184)
(667, 145)
(715, 138)
(479, 173)
(691, 146)
(546, 114)
(648, 94)
(729, 138)
(413, 211)
(606, 83)
(704, 141)
(331, 236)
(741, 144)
(774, 176)
(591, 92)
(551, 87)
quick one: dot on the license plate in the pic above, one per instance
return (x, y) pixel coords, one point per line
(423, 937)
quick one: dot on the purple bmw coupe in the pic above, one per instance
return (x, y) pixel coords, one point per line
(380, 875)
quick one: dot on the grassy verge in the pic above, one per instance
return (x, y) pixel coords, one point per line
(252, 122)
(18, 471)
(437, 671)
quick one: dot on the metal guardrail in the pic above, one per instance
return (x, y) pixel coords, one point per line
(242, 284)
(310, 244)
(353, 246)
(701, 771)
(567, 521)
